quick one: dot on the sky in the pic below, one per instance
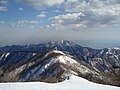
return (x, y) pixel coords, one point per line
(35, 21)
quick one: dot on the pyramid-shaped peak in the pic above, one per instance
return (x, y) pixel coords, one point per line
(63, 42)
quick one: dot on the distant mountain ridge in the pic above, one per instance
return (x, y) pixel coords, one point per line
(66, 46)
(104, 61)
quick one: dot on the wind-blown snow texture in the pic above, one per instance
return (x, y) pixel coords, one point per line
(76, 83)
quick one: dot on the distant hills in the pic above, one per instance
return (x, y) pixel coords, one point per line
(57, 60)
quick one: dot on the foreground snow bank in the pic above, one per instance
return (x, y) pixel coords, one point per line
(75, 83)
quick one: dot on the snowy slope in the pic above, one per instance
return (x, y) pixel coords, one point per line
(51, 66)
(76, 83)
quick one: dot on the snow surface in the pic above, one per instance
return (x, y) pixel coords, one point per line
(72, 61)
(116, 48)
(74, 83)
(2, 56)
(34, 54)
(7, 55)
(55, 51)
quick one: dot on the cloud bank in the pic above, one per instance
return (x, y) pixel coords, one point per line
(77, 14)
(87, 14)
(40, 4)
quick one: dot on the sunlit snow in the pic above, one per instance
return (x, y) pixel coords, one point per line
(74, 83)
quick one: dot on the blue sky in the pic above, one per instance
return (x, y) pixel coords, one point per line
(36, 21)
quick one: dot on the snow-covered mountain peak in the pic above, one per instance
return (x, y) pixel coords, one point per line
(57, 51)
(53, 53)
(59, 56)
(60, 43)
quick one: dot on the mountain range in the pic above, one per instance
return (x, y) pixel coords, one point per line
(57, 60)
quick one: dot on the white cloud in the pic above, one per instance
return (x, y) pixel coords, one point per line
(40, 4)
(105, 7)
(67, 21)
(33, 22)
(87, 14)
(3, 5)
(27, 22)
(41, 15)
(57, 10)
(24, 23)
(2, 22)
(32, 26)
(20, 9)
(72, 16)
